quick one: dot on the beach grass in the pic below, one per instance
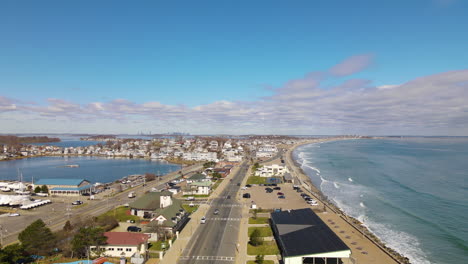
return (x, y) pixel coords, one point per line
(256, 180)
(258, 220)
(265, 231)
(267, 248)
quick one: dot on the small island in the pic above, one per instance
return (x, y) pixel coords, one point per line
(14, 140)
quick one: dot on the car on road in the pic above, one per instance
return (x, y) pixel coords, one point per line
(78, 202)
(133, 229)
(238, 184)
(280, 193)
(190, 198)
(281, 197)
(203, 220)
(216, 211)
(14, 214)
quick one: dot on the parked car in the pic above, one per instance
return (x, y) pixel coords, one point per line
(248, 185)
(269, 190)
(312, 202)
(77, 202)
(14, 214)
(280, 193)
(190, 198)
(131, 221)
(203, 220)
(277, 188)
(216, 211)
(133, 229)
(282, 197)
(246, 195)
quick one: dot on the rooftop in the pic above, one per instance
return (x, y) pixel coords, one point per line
(125, 238)
(301, 232)
(74, 182)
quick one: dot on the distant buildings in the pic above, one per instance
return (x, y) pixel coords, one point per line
(271, 170)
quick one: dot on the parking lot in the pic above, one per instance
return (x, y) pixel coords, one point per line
(292, 199)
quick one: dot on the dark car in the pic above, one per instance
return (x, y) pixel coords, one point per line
(281, 197)
(248, 185)
(269, 190)
(246, 195)
(133, 229)
(277, 188)
(280, 193)
(238, 184)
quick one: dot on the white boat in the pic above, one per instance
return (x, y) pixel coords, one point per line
(5, 189)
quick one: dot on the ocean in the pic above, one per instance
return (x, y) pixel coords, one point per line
(94, 169)
(411, 192)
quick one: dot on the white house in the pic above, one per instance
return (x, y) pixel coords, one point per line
(123, 244)
(271, 171)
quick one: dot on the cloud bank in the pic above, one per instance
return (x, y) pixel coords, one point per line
(429, 105)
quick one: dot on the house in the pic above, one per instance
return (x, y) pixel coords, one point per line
(197, 177)
(198, 188)
(304, 238)
(164, 212)
(123, 244)
(271, 171)
(66, 187)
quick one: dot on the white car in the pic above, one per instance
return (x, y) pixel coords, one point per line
(14, 214)
(244, 188)
(312, 202)
(202, 220)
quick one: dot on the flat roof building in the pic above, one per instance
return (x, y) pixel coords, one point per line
(303, 238)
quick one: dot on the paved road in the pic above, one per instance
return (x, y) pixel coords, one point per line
(216, 241)
(56, 214)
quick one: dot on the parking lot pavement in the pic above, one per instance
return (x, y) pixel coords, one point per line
(264, 200)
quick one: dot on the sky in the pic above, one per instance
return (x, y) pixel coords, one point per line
(235, 67)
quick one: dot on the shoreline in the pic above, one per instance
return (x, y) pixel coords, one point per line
(351, 221)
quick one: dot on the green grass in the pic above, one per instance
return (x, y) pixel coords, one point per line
(267, 248)
(120, 214)
(264, 262)
(197, 196)
(259, 220)
(260, 210)
(256, 180)
(217, 183)
(157, 245)
(265, 231)
(190, 209)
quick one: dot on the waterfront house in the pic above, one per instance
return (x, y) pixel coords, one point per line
(271, 170)
(66, 187)
(304, 238)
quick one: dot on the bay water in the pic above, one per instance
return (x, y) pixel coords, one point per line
(411, 192)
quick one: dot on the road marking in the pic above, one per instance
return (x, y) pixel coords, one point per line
(232, 205)
(224, 219)
(222, 258)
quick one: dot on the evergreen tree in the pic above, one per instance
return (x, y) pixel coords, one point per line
(37, 189)
(259, 259)
(86, 237)
(37, 238)
(45, 189)
(13, 254)
(68, 226)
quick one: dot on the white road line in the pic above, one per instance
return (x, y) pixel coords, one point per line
(222, 258)
(224, 219)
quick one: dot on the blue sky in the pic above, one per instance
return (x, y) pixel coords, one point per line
(102, 66)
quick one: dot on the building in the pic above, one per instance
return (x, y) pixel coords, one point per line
(66, 187)
(271, 170)
(163, 211)
(303, 238)
(198, 188)
(124, 244)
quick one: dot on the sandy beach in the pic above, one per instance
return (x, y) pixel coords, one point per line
(364, 245)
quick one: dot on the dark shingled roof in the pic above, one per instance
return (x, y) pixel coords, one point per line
(301, 232)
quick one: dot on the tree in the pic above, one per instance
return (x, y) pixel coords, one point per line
(68, 226)
(13, 254)
(259, 259)
(38, 189)
(255, 239)
(150, 177)
(216, 175)
(86, 237)
(209, 164)
(37, 238)
(45, 189)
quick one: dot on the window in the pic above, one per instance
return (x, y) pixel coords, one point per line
(119, 249)
(128, 249)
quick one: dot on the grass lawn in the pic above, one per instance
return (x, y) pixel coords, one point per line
(157, 245)
(259, 220)
(197, 196)
(190, 209)
(217, 183)
(264, 231)
(256, 180)
(264, 262)
(120, 214)
(260, 210)
(267, 248)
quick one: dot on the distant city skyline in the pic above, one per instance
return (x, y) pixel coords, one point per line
(243, 67)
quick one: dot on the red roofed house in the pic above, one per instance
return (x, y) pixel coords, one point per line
(124, 244)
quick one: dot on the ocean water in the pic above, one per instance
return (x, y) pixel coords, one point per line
(94, 169)
(412, 192)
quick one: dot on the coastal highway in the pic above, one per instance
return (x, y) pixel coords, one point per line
(216, 240)
(60, 210)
